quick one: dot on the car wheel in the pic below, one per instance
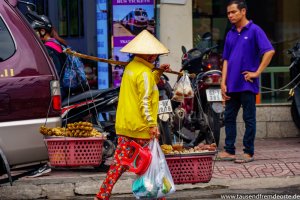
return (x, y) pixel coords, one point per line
(2, 167)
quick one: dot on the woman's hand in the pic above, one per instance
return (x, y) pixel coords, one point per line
(154, 132)
(165, 67)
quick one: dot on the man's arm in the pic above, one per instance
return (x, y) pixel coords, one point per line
(157, 73)
(266, 59)
(223, 83)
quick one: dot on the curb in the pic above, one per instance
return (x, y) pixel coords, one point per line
(88, 185)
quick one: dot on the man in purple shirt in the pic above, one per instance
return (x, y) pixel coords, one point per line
(247, 53)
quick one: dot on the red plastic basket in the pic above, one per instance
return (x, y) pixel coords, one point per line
(74, 152)
(191, 168)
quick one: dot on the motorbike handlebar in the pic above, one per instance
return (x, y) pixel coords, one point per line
(206, 50)
(294, 62)
(296, 54)
(295, 51)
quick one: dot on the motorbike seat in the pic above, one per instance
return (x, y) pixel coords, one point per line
(87, 95)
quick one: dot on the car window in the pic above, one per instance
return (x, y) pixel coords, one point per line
(7, 46)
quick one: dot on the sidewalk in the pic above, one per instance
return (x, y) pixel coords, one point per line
(277, 164)
(273, 158)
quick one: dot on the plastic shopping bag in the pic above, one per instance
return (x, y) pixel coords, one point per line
(157, 181)
(183, 88)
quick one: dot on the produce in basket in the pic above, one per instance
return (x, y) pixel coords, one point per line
(178, 148)
(167, 149)
(52, 131)
(207, 147)
(77, 129)
(183, 89)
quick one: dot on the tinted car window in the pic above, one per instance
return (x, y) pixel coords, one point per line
(7, 46)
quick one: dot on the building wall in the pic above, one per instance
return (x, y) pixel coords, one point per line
(291, 28)
(175, 30)
(88, 43)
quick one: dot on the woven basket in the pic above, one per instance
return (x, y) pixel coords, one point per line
(191, 168)
(75, 152)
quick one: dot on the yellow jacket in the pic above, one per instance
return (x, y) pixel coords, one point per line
(138, 100)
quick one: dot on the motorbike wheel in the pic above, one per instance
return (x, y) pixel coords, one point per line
(181, 132)
(214, 124)
(108, 149)
(295, 114)
(165, 132)
(109, 145)
(182, 135)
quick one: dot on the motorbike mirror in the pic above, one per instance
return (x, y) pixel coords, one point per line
(207, 50)
(29, 6)
(183, 49)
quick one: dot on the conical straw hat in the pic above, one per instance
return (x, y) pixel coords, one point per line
(145, 43)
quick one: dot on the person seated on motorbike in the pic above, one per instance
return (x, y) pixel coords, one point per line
(137, 111)
(53, 43)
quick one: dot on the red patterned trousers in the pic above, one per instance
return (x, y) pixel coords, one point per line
(116, 169)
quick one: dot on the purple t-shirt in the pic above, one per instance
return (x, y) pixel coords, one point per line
(243, 52)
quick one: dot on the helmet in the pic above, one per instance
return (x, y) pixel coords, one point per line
(39, 21)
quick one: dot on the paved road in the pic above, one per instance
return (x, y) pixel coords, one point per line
(221, 193)
(276, 169)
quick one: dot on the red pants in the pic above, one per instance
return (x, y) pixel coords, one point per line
(116, 169)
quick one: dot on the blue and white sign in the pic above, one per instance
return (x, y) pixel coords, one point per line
(130, 17)
(102, 43)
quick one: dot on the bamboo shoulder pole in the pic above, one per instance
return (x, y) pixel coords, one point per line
(115, 62)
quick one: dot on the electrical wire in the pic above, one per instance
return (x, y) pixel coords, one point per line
(282, 88)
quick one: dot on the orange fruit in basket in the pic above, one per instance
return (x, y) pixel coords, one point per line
(211, 148)
(177, 147)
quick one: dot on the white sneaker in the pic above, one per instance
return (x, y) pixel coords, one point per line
(42, 171)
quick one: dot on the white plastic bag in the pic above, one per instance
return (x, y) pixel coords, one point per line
(183, 88)
(157, 181)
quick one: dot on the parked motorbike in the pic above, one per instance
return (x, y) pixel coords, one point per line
(204, 112)
(165, 110)
(88, 106)
(295, 79)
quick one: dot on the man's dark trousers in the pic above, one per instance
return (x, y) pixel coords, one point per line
(247, 101)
